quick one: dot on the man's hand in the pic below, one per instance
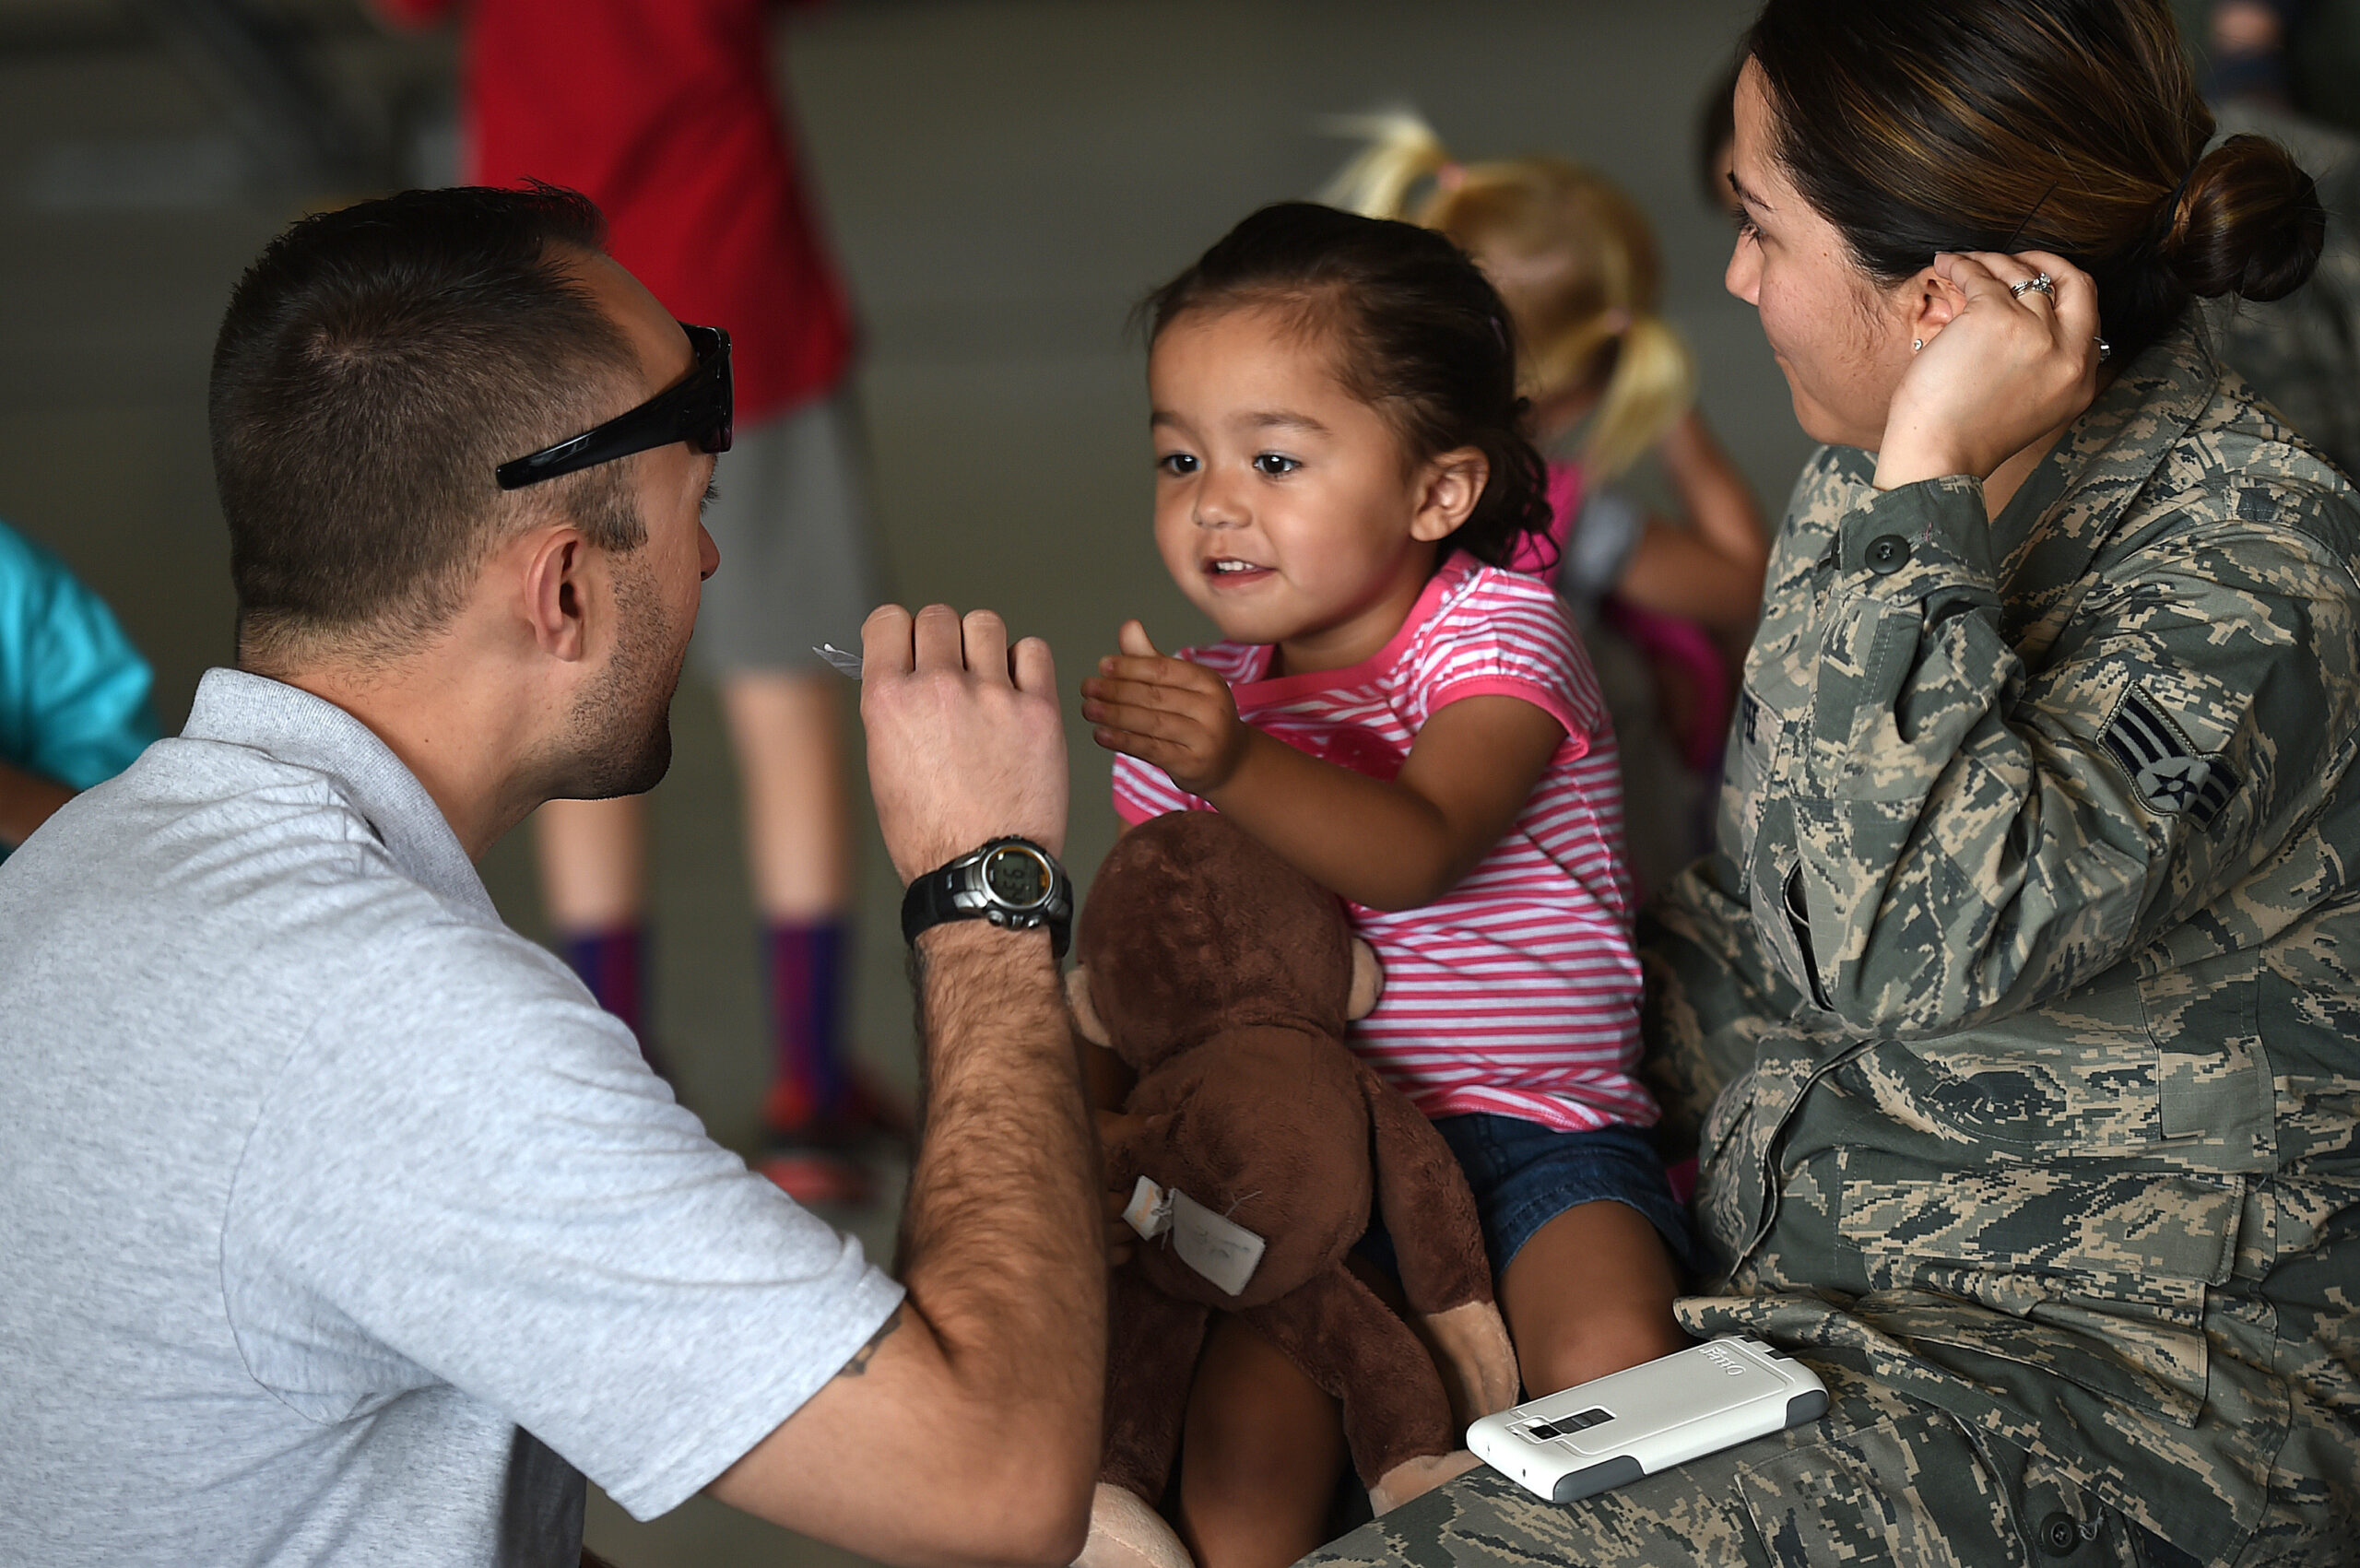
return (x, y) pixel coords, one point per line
(1177, 716)
(965, 744)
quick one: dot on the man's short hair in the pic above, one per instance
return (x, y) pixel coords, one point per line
(375, 365)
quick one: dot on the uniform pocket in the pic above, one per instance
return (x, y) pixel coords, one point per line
(2216, 1100)
(1756, 730)
(2119, 1261)
(1769, 708)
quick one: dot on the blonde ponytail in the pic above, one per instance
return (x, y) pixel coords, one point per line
(1652, 386)
(1571, 256)
(1402, 149)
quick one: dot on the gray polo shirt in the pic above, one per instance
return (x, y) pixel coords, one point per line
(337, 1224)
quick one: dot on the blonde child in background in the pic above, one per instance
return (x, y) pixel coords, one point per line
(1341, 473)
(1667, 603)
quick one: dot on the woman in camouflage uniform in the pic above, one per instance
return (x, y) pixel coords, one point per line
(2018, 1018)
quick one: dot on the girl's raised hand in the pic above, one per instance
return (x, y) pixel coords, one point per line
(1177, 716)
(2014, 363)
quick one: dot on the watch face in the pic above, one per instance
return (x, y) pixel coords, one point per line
(1017, 876)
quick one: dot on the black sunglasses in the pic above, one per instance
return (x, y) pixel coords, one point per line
(697, 408)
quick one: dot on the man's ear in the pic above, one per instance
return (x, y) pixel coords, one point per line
(1454, 483)
(562, 583)
(1935, 302)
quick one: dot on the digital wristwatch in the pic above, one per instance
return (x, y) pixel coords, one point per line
(1011, 882)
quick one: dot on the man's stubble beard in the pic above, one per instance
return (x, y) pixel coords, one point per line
(622, 726)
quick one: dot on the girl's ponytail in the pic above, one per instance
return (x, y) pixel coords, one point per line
(1573, 258)
(1652, 385)
(1402, 149)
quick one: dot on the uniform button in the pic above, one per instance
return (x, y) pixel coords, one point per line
(1888, 553)
(2059, 1534)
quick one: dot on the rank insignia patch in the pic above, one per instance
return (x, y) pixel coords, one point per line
(2170, 777)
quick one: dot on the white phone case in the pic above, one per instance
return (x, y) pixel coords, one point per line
(1582, 1439)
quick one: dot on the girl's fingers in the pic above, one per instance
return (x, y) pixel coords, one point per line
(1145, 694)
(1154, 734)
(1157, 670)
(1158, 724)
(1133, 640)
(1155, 753)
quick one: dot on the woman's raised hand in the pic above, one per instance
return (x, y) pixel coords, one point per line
(2013, 364)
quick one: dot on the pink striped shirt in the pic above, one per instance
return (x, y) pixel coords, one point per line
(1516, 992)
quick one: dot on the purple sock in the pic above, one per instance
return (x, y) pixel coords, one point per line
(806, 964)
(614, 965)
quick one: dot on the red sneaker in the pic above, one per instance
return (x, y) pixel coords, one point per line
(814, 1176)
(871, 1113)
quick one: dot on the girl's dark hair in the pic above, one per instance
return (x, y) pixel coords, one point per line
(2064, 125)
(1419, 336)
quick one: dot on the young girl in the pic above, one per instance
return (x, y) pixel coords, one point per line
(1610, 382)
(1339, 474)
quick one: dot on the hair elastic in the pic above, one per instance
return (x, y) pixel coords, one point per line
(2171, 202)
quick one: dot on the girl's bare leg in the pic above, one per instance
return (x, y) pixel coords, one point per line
(592, 856)
(788, 730)
(1590, 1293)
(1260, 1457)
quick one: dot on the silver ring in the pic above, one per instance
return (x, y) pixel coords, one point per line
(2044, 284)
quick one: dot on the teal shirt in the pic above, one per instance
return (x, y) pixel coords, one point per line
(73, 690)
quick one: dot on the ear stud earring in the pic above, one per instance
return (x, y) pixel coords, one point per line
(1916, 344)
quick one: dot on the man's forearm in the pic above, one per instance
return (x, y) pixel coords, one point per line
(27, 801)
(982, 1393)
(1002, 1238)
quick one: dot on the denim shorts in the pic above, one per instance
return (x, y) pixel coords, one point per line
(1524, 1175)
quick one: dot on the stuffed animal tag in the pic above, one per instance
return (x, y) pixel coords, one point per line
(1149, 1210)
(1222, 1250)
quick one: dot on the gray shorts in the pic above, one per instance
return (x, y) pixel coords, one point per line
(791, 520)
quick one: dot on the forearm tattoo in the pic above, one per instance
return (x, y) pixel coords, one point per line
(858, 1365)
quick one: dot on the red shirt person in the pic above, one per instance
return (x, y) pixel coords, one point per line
(664, 114)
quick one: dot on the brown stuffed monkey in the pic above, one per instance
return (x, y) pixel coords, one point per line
(1224, 978)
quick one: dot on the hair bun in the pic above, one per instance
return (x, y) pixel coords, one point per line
(2249, 222)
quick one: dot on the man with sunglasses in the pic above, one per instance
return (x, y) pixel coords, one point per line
(340, 1225)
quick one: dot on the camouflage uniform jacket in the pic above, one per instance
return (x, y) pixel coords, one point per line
(2021, 1006)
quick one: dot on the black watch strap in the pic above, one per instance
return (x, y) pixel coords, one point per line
(1011, 882)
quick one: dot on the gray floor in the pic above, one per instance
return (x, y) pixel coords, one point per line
(1006, 177)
